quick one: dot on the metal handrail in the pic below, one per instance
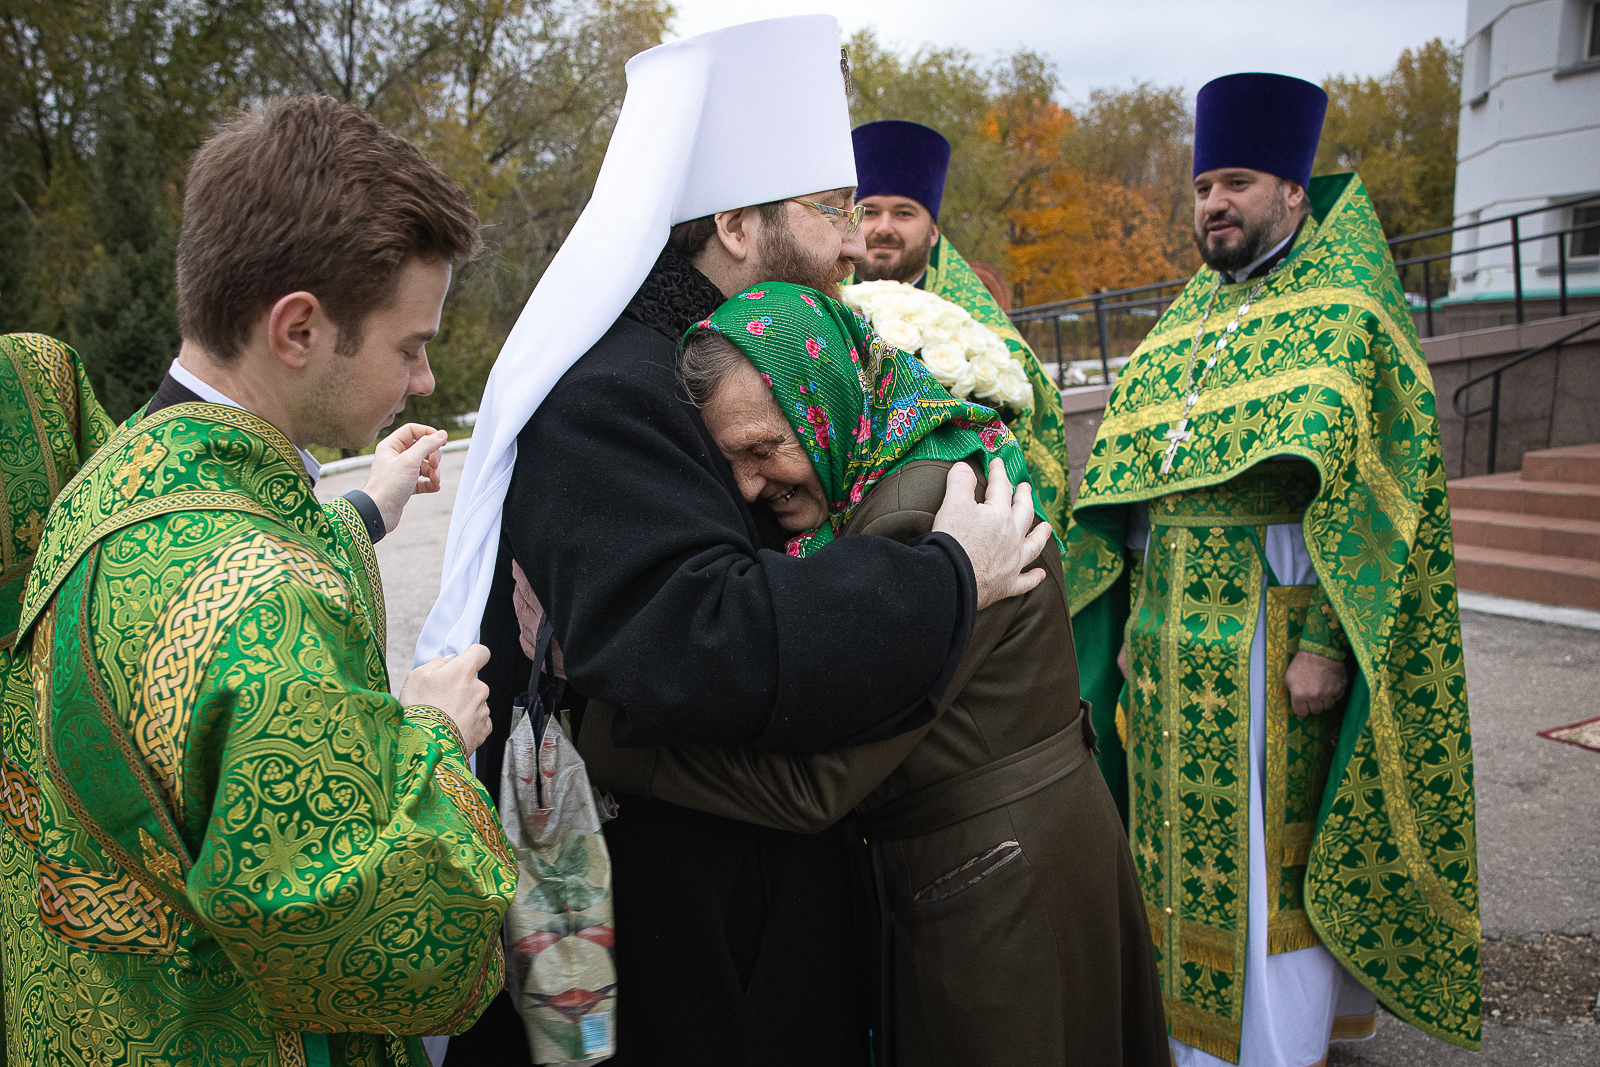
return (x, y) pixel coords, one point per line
(1493, 407)
(1515, 244)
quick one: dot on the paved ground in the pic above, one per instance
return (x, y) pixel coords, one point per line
(1538, 828)
(410, 557)
(1538, 801)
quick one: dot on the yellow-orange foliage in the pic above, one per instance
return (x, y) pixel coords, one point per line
(1072, 233)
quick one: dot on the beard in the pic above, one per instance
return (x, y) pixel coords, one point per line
(1255, 238)
(907, 267)
(782, 258)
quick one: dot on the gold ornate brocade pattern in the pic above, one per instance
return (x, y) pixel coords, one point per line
(193, 624)
(1189, 653)
(213, 692)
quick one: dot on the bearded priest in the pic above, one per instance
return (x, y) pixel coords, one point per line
(680, 616)
(900, 171)
(1263, 532)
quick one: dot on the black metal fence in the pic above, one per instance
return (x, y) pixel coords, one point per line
(1421, 266)
(1108, 325)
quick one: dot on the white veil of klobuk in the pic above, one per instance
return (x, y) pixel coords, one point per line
(744, 115)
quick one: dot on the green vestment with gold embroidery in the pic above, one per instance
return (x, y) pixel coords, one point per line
(1040, 430)
(227, 843)
(50, 422)
(1320, 412)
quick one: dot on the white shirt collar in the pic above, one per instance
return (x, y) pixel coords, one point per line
(212, 395)
(1241, 275)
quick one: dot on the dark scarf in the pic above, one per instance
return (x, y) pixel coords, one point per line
(674, 296)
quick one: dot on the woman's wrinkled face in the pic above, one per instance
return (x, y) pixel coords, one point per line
(760, 446)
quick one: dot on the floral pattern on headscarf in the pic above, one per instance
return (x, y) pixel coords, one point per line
(859, 406)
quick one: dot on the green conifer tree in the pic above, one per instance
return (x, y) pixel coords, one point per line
(23, 308)
(124, 317)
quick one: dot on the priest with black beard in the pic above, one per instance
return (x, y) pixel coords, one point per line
(672, 600)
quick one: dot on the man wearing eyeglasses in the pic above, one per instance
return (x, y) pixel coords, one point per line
(672, 599)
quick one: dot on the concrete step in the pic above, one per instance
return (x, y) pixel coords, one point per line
(1512, 494)
(1577, 463)
(1529, 576)
(1540, 534)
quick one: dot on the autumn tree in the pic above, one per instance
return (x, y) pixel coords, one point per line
(514, 98)
(1143, 138)
(1399, 133)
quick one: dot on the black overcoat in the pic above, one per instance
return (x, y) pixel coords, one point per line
(675, 604)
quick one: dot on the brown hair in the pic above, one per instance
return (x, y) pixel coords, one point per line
(306, 193)
(688, 239)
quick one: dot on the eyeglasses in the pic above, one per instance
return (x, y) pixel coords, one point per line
(852, 218)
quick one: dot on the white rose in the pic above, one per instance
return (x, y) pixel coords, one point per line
(974, 336)
(961, 385)
(935, 334)
(945, 360)
(985, 375)
(951, 317)
(898, 332)
(1016, 391)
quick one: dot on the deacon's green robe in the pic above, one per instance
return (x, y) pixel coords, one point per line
(50, 422)
(1040, 431)
(227, 843)
(1374, 854)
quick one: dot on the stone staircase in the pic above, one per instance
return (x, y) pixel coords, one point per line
(1532, 534)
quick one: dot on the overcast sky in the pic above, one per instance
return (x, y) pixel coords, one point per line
(1098, 43)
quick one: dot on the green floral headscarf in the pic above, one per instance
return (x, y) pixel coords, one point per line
(859, 406)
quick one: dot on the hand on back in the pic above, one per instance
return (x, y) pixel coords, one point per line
(404, 463)
(530, 613)
(450, 683)
(999, 534)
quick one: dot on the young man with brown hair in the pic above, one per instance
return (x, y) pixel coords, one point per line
(228, 842)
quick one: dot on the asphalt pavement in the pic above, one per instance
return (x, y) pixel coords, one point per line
(410, 557)
(1538, 801)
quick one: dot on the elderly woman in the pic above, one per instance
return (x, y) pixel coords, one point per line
(1012, 927)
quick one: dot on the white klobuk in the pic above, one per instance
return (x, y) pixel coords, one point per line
(740, 116)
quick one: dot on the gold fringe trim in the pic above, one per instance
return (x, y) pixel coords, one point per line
(1354, 1027)
(1218, 959)
(1201, 1029)
(1290, 931)
(1297, 838)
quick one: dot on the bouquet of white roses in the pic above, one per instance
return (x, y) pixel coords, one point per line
(967, 357)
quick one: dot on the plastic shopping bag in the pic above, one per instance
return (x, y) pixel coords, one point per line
(559, 935)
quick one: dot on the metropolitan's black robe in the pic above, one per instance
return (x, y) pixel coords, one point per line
(674, 603)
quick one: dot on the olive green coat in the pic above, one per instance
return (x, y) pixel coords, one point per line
(1013, 930)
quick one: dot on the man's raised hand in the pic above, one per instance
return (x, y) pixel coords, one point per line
(999, 534)
(450, 683)
(404, 463)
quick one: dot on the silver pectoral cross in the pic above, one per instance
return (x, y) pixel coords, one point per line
(1176, 436)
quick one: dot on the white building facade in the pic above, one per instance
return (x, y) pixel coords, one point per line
(1529, 138)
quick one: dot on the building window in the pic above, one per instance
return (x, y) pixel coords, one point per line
(1594, 32)
(1585, 242)
(1479, 68)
